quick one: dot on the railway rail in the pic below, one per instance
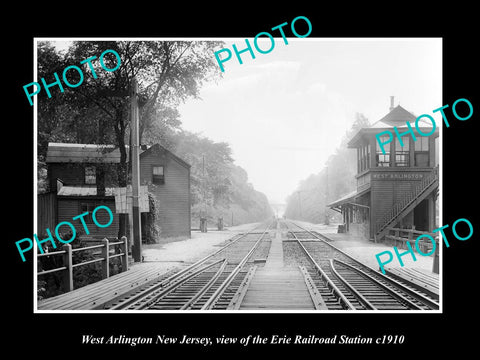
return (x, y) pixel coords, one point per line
(346, 283)
(335, 280)
(209, 283)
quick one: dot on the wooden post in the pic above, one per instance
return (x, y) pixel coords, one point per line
(431, 213)
(130, 233)
(410, 235)
(436, 258)
(124, 249)
(68, 273)
(137, 231)
(203, 224)
(105, 262)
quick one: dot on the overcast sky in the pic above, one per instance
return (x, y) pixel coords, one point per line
(283, 113)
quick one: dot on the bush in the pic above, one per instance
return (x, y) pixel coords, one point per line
(52, 284)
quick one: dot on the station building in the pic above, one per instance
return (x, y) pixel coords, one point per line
(83, 176)
(396, 189)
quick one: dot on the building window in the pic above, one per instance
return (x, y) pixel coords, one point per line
(90, 175)
(84, 207)
(359, 166)
(383, 160)
(363, 156)
(158, 176)
(402, 153)
(368, 156)
(421, 152)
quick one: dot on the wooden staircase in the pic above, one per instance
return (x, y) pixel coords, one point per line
(408, 203)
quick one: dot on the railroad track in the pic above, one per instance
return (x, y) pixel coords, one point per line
(209, 283)
(349, 284)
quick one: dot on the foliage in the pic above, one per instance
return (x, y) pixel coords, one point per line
(97, 112)
(150, 229)
(52, 284)
(168, 73)
(310, 199)
(219, 188)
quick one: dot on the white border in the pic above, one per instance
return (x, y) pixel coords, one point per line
(240, 312)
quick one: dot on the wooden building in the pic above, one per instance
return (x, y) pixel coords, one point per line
(76, 178)
(83, 176)
(398, 188)
(168, 179)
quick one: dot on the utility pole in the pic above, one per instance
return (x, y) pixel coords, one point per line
(137, 231)
(326, 199)
(204, 188)
(203, 217)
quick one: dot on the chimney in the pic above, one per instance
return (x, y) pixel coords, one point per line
(391, 103)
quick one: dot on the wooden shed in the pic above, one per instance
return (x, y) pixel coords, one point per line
(83, 176)
(168, 179)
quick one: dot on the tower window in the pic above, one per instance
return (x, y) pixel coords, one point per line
(402, 153)
(363, 154)
(422, 158)
(383, 160)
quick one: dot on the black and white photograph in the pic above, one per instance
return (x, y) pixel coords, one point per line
(299, 182)
(266, 185)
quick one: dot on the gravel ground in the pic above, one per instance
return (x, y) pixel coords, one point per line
(262, 251)
(190, 250)
(293, 255)
(201, 244)
(365, 250)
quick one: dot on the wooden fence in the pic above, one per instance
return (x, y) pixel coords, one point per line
(399, 237)
(105, 256)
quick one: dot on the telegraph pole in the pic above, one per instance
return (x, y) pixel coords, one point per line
(300, 202)
(204, 188)
(327, 222)
(137, 231)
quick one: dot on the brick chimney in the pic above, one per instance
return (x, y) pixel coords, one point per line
(391, 102)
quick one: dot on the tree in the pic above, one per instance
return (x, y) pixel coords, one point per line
(97, 111)
(210, 173)
(310, 199)
(219, 188)
(168, 73)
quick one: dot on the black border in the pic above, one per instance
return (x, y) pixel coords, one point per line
(50, 335)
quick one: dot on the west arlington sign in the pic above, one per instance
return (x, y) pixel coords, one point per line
(398, 176)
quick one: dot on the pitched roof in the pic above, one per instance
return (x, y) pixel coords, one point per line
(94, 153)
(168, 152)
(83, 190)
(82, 153)
(397, 117)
